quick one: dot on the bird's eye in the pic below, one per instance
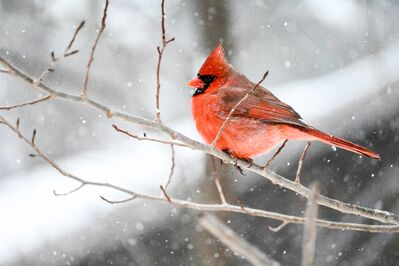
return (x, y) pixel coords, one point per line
(207, 79)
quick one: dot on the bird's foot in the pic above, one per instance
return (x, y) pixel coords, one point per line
(249, 160)
(239, 169)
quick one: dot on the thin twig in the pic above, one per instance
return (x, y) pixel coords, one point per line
(160, 55)
(172, 166)
(149, 139)
(234, 108)
(309, 231)
(233, 241)
(275, 154)
(216, 177)
(240, 203)
(67, 52)
(49, 69)
(278, 228)
(165, 194)
(163, 21)
(69, 192)
(93, 49)
(33, 137)
(32, 102)
(300, 163)
(374, 214)
(55, 59)
(17, 126)
(117, 201)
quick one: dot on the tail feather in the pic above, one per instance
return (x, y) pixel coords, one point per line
(343, 144)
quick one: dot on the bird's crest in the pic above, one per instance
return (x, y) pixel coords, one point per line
(216, 63)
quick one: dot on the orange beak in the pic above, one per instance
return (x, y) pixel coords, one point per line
(196, 83)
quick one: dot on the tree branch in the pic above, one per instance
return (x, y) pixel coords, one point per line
(377, 215)
(93, 49)
(117, 201)
(160, 55)
(216, 177)
(149, 139)
(172, 166)
(55, 59)
(32, 102)
(233, 241)
(275, 154)
(300, 163)
(69, 192)
(67, 51)
(165, 194)
(309, 231)
(199, 206)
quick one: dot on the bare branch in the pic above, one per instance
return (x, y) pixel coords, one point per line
(163, 21)
(33, 137)
(275, 154)
(71, 53)
(216, 177)
(235, 107)
(17, 124)
(66, 52)
(377, 215)
(117, 201)
(309, 231)
(278, 228)
(41, 99)
(55, 59)
(149, 139)
(69, 192)
(49, 69)
(240, 203)
(208, 207)
(93, 49)
(172, 167)
(6, 70)
(160, 55)
(165, 194)
(233, 241)
(300, 163)
(37, 150)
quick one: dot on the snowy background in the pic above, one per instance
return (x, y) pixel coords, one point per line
(335, 62)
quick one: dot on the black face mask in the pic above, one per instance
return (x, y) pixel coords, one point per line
(207, 79)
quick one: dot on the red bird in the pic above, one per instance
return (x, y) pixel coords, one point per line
(258, 124)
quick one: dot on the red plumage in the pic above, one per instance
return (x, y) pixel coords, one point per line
(258, 124)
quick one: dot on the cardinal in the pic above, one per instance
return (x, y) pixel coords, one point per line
(258, 124)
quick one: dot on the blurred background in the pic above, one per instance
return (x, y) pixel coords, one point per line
(335, 62)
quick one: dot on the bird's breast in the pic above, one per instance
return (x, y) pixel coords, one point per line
(205, 111)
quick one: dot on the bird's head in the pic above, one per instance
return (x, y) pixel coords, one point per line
(214, 70)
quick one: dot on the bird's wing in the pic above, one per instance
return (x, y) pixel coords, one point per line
(261, 104)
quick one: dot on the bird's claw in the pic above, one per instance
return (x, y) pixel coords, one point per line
(239, 169)
(248, 160)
